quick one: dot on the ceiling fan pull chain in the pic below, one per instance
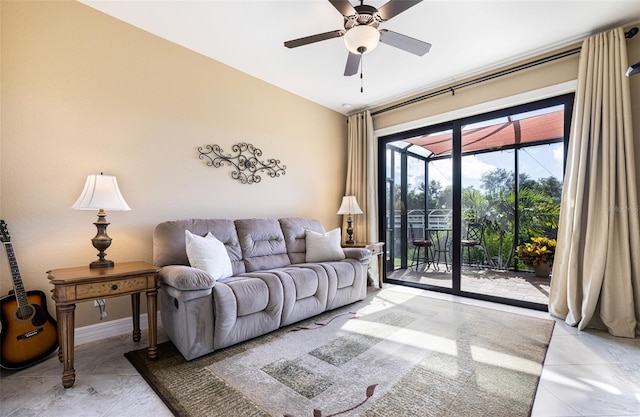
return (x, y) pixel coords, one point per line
(361, 68)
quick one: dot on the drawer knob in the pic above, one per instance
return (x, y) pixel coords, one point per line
(114, 287)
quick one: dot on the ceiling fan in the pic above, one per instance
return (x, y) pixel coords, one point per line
(361, 33)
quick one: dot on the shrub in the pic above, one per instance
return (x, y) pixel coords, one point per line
(539, 250)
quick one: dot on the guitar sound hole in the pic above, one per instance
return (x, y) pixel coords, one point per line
(25, 312)
(39, 317)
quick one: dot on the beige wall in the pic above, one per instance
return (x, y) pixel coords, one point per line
(84, 93)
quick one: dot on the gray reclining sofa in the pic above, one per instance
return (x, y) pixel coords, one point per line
(272, 284)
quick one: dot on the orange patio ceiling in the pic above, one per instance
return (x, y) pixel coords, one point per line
(495, 136)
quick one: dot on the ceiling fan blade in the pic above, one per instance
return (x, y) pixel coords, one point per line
(353, 63)
(395, 7)
(404, 42)
(314, 38)
(344, 7)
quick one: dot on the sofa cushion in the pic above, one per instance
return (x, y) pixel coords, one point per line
(169, 246)
(347, 282)
(262, 244)
(323, 247)
(208, 254)
(251, 294)
(305, 290)
(230, 326)
(344, 273)
(294, 229)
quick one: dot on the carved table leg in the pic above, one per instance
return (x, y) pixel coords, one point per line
(66, 323)
(135, 312)
(152, 316)
(60, 338)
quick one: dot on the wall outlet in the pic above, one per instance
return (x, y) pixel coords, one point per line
(98, 303)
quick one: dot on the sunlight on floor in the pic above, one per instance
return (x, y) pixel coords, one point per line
(602, 385)
(504, 360)
(559, 379)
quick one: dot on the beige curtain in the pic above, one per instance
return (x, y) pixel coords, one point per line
(596, 273)
(362, 180)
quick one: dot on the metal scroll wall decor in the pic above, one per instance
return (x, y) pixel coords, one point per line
(245, 162)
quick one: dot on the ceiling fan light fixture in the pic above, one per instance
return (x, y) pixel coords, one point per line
(362, 39)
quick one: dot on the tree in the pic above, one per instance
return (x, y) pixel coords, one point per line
(538, 211)
(526, 182)
(550, 186)
(495, 181)
(539, 215)
(415, 198)
(474, 203)
(435, 199)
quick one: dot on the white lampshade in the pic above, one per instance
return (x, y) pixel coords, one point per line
(101, 192)
(362, 39)
(349, 205)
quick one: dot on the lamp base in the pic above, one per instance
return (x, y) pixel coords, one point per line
(101, 242)
(101, 264)
(351, 240)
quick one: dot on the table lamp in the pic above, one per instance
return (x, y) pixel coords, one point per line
(349, 206)
(101, 193)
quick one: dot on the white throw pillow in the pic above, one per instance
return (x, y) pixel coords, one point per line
(208, 254)
(323, 247)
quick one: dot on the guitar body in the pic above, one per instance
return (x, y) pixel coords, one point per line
(29, 333)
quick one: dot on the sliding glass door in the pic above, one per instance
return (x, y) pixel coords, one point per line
(461, 197)
(419, 211)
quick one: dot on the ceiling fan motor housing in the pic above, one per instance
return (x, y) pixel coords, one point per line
(365, 15)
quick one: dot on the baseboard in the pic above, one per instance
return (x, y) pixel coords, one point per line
(99, 331)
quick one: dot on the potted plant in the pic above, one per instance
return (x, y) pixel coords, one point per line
(539, 254)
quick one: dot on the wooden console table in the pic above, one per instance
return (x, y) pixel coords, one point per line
(377, 249)
(73, 285)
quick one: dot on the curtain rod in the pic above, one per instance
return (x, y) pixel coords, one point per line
(452, 89)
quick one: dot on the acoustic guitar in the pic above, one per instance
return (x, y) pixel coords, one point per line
(29, 333)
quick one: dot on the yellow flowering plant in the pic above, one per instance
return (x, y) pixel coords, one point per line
(539, 250)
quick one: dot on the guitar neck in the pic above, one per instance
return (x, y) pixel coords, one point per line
(18, 288)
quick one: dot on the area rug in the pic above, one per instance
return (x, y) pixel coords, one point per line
(396, 353)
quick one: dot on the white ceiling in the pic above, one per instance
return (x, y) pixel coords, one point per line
(468, 37)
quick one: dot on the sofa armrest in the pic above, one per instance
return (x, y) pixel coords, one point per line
(183, 277)
(360, 254)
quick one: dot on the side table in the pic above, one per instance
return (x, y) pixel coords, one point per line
(73, 285)
(377, 249)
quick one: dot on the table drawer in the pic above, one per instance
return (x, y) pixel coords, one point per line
(108, 288)
(376, 250)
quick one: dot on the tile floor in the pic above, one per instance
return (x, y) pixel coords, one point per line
(585, 374)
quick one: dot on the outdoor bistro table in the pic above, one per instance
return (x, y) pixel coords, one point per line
(440, 238)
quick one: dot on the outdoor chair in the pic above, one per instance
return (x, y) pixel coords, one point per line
(475, 233)
(418, 244)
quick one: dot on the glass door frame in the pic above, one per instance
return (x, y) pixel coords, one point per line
(456, 155)
(389, 204)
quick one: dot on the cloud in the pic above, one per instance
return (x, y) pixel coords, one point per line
(441, 170)
(558, 154)
(473, 168)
